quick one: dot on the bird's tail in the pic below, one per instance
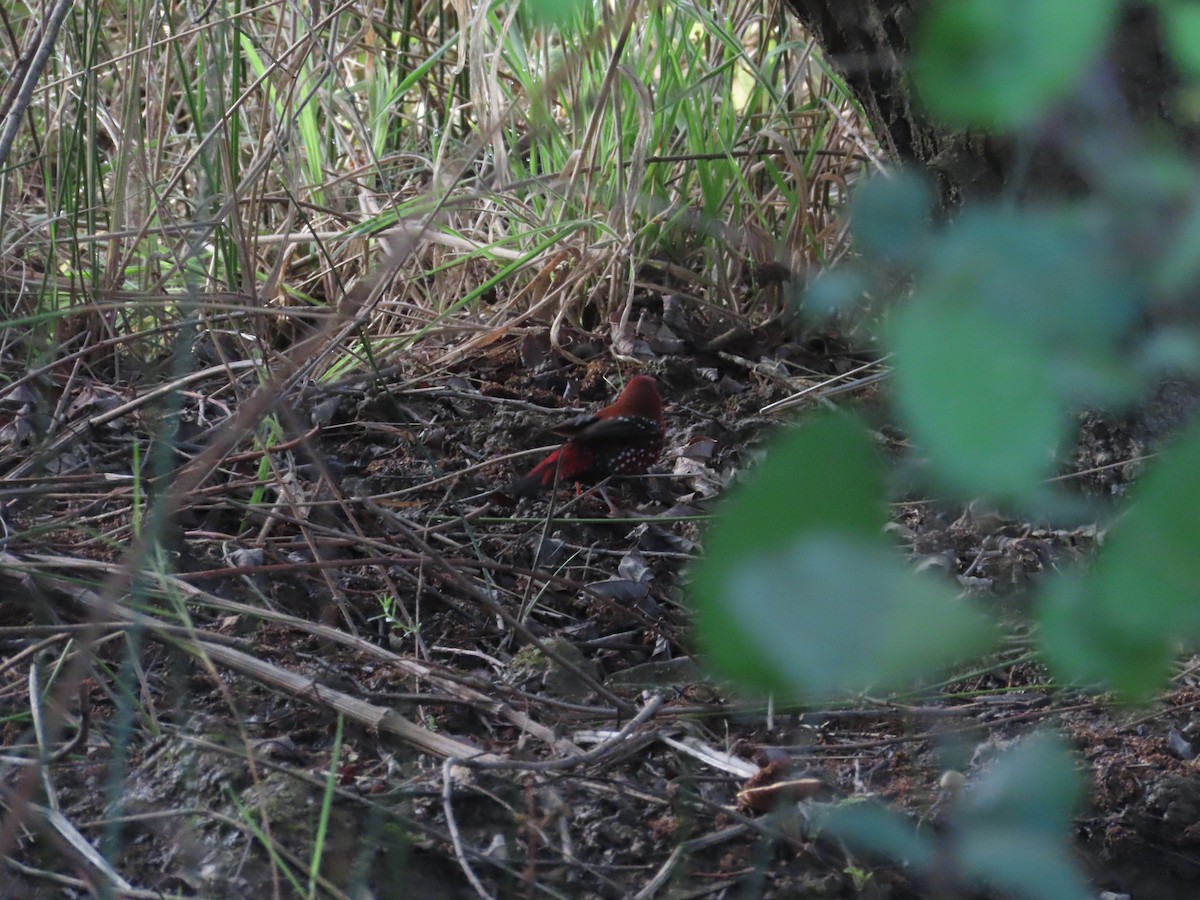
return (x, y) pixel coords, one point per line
(539, 478)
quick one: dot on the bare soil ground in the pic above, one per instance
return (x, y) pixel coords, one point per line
(521, 711)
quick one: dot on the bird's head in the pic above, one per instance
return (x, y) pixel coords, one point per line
(640, 398)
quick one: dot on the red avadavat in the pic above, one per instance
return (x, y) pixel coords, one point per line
(625, 438)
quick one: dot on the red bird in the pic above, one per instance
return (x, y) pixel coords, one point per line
(625, 438)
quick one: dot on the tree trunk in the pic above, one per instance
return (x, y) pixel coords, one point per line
(869, 40)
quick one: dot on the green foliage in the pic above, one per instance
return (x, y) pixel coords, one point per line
(1018, 319)
(773, 580)
(977, 396)
(554, 13)
(1023, 313)
(827, 633)
(1183, 34)
(999, 63)
(1006, 833)
(775, 508)
(893, 217)
(1123, 621)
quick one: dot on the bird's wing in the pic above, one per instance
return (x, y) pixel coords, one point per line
(615, 428)
(576, 426)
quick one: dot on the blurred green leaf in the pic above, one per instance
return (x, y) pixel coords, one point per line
(1050, 274)
(1022, 864)
(978, 397)
(892, 216)
(1018, 319)
(1033, 786)
(553, 13)
(1013, 823)
(1182, 20)
(822, 477)
(1082, 649)
(1120, 624)
(1145, 194)
(1179, 265)
(832, 614)
(834, 291)
(872, 828)
(1142, 590)
(999, 63)
(1149, 569)
(1009, 830)
(1170, 351)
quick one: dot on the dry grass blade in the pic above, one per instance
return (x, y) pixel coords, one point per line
(377, 718)
(42, 573)
(81, 848)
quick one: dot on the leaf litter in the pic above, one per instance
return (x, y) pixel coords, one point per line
(521, 709)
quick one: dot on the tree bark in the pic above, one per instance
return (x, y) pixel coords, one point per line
(868, 41)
